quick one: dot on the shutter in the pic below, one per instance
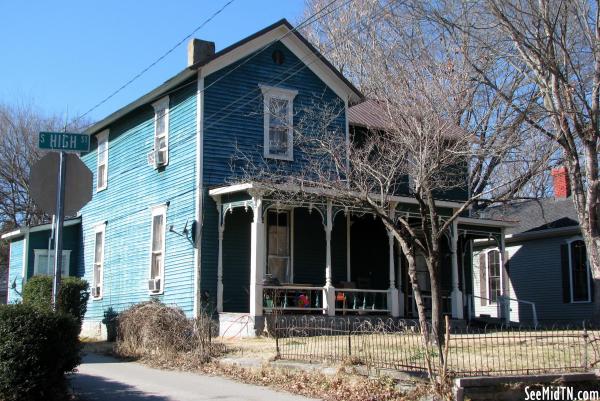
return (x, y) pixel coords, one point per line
(482, 279)
(564, 264)
(505, 275)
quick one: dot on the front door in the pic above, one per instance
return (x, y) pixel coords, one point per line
(278, 245)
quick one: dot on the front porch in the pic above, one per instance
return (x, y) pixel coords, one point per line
(300, 257)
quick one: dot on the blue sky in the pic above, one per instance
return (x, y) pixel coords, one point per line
(68, 55)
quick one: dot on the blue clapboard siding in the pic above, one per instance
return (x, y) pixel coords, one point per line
(15, 270)
(133, 188)
(228, 125)
(236, 261)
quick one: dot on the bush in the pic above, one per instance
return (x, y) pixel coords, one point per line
(37, 347)
(72, 297)
(154, 329)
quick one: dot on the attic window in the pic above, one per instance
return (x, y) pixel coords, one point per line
(278, 57)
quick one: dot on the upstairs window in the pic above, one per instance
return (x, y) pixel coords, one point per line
(157, 250)
(161, 132)
(278, 122)
(102, 170)
(98, 271)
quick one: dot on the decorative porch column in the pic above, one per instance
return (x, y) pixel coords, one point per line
(329, 290)
(220, 257)
(348, 227)
(257, 262)
(393, 291)
(456, 294)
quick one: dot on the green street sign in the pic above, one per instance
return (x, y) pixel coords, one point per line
(64, 141)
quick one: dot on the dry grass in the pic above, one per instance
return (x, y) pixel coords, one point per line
(486, 353)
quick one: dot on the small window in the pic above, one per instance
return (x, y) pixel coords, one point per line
(102, 170)
(157, 250)
(494, 276)
(278, 245)
(161, 132)
(580, 274)
(98, 273)
(278, 122)
(43, 263)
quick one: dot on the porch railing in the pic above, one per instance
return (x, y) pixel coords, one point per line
(446, 303)
(361, 301)
(503, 307)
(293, 298)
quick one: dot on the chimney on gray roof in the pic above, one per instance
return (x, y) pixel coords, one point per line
(199, 51)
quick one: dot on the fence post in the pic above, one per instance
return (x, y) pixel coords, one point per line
(585, 346)
(277, 353)
(349, 339)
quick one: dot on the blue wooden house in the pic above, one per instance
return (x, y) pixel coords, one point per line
(171, 220)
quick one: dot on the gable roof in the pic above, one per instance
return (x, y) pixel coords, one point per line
(536, 215)
(282, 31)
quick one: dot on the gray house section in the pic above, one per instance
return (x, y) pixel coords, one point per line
(539, 264)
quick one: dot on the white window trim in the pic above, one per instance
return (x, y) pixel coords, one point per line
(100, 228)
(66, 253)
(102, 136)
(569, 242)
(158, 211)
(271, 92)
(487, 274)
(162, 104)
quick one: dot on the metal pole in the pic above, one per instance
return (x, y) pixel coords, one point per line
(60, 216)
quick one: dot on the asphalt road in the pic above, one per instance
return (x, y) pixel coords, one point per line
(103, 378)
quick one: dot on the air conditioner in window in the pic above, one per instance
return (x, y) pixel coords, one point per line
(154, 285)
(161, 157)
(96, 292)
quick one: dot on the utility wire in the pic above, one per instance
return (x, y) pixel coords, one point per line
(158, 60)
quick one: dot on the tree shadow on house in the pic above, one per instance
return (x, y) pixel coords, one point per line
(92, 388)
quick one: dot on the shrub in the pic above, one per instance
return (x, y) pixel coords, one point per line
(72, 297)
(37, 347)
(151, 329)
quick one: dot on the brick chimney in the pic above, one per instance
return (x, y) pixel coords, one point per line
(560, 180)
(199, 51)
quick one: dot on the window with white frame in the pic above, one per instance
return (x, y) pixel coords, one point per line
(278, 122)
(579, 272)
(98, 271)
(157, 250)
(102, 170)
(278, 245)
(494, 275)
(161, 132)
(43, 262)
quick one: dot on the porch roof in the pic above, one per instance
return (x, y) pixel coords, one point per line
(465, 224)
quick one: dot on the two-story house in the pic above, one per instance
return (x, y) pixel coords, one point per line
(170, 218)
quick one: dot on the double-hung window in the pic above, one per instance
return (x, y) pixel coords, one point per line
(157, 250)
(43, 263)
(102, 170)
(278, 122)
(494, 276)
(161, 132)
(98, 271)
(579, 272)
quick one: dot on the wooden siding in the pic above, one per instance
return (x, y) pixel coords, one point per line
(133, 188)
(15, 270)
(233, 122)
(71, 241)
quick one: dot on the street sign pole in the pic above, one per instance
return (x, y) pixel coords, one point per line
(60, 217)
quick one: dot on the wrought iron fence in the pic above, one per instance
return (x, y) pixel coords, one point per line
(472, 351)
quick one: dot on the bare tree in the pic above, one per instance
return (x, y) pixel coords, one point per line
(440, 131)
(20, 124)
(550, 50)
